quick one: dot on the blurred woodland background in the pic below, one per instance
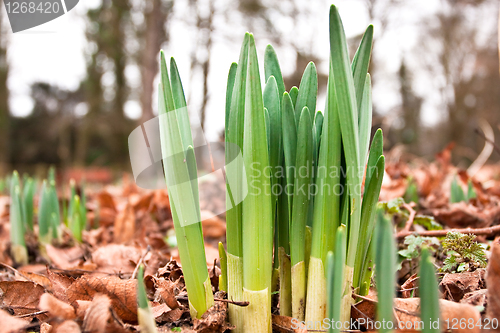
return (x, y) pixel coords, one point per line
(450, 74)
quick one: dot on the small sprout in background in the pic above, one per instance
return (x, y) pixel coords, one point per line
(471, 192)
(464, 253)
(456, 192)
(28, 193)
(411, 194)
(414, 246)
(144, 314)
(74, 222)
(429, 294)
(18, 245)
(223, 268)
(54, 210)
(48, 214)
(44, 215)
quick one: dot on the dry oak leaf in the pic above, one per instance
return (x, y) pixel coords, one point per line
(97, 315)
(493, 283)
(55, 307)
(456, 285)
(213, 226)
(45, 328)
(68, 326)
(106, 201)
(22, 296)
(215, 319)
(408, 310)
(408, 313)
(284, 324)
(166, 291)
(59, 284)
(65, 258)
(116, 258)
(122, 293)
(125, 225)
(11, 324)
(466, 215)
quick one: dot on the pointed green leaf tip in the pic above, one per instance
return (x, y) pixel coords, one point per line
(429, 294)
(142, 299)
(257, 209)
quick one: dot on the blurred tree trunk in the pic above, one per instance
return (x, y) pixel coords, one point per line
(154, 35)
(4, 101)
(204, 23)
(410, 110)
(93, 96)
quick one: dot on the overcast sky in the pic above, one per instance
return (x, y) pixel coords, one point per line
(55, 53)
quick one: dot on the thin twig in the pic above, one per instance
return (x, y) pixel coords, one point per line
(32, 314)
(140, 262)
(442, 233)
(365, 298)
(481, 134)
(411, 218)
(242, 303)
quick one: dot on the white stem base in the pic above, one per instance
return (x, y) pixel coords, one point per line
(347, 300)
(146, 320)
(316, 292)
(235, 291)
(209, 300)
(258, 311)
(299, 290)
(19, 254)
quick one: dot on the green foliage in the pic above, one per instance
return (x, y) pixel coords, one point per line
(464, 253)
(411, 194)
(395, 207)
(415, 244)
(180, 174)
(471, 192)
(428, 222)
(385, 269)
(429, 294)
(392, 206)
(335, 278)
(456, 192)
(28, 193)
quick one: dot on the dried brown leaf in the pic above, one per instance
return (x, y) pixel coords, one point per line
(45, 328)
(11, 324)
(55, 307)
(283, 324)
(116, 258)
(21, 296)
(456, 285)
(97, 315)
(125, 225)
(493, 283)
(68, 326)
(166, 291)
(213, 226)
(65, 258)
(215, 319)
(121, 292)
(59, 284)
(106, 201)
